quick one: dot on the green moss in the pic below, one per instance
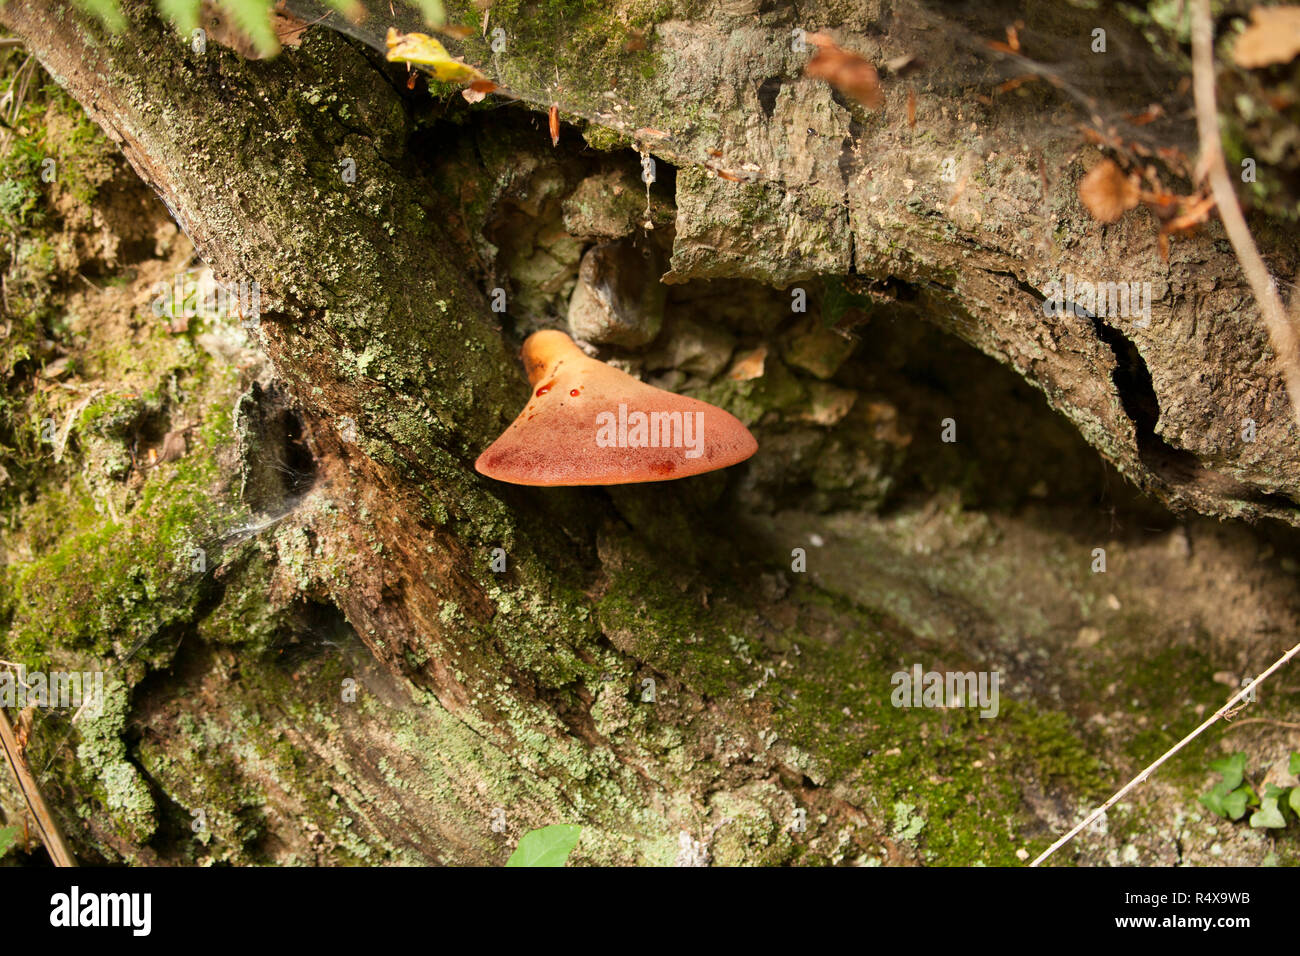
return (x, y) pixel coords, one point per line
(605, 139)
(248, 614)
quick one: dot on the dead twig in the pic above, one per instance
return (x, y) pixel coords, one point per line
(1281, 332)
(51, 835)
(1263, 720)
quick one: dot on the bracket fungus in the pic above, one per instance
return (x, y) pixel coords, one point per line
(587, 423)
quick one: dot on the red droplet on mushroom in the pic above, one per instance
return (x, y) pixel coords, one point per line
(617, 431)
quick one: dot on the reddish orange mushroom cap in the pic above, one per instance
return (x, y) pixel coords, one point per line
(587, 423)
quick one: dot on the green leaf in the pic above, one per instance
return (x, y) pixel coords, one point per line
(1214, 797)
(106, 11)
(8, 835)
(1235, 803)
(184, 14)
(1294, 800)
(433, 11)
(253, 17)
(1232, 768)
(549, 846)
(1231, 805)
(1268, 815)
(1294, 765)
(423, 50)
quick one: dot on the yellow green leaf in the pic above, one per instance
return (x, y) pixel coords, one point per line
(423, 50)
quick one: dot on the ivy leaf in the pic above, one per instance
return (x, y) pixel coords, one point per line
(1235, 802)
(1294, 800)
(1294, 765)
(549, 846)
(1229, 804)
(1214, 797)
(7, 837)
(1268, 815)
(1232, 768)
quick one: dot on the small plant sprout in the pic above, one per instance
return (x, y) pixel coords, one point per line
(1233, 795)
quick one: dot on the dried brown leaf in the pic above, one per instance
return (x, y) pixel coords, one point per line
(288, 28)
(1149, 115)
(1107, 193)
(1191, 217)
(847, 72)
(1272, 37)
(1015, 82)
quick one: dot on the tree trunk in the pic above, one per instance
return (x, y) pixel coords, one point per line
(345, 678)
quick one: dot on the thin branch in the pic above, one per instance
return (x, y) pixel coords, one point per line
(51, 835)
(1281, 332)
(1232, 702)
(1232, 725)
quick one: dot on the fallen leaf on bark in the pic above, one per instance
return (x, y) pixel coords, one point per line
(425, 51)
(847, 72)
(288, 28)
(1107, 193)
